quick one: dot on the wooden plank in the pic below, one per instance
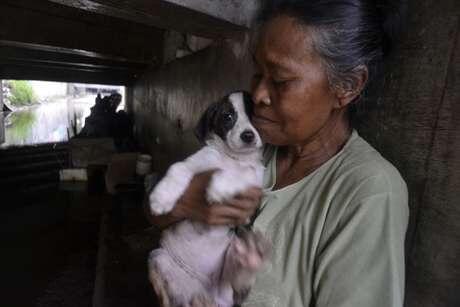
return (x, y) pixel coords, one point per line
(26, 71)
(38, 62)
(61, 51)
(15, 54)
(45, 23)
(162, 14)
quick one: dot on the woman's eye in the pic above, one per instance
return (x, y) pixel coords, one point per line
(280, 81)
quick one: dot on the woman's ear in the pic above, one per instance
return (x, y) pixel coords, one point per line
(351, 87)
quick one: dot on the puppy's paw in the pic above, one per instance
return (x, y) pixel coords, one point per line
(251, 250)
(160, 287)
(170, 189)
(247, 254)
(161, 201)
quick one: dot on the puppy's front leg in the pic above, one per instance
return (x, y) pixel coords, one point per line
(168, 191)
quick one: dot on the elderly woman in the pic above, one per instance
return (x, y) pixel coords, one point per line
(335, 210)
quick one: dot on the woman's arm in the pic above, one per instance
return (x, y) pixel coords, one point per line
(193, 205)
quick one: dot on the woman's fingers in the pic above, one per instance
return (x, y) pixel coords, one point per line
(235, 212)
(245, 208)
(193, 205)
(253, 194)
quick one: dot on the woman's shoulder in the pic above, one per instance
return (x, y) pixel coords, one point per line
(365, 186)
(359, 181)
(361, 165)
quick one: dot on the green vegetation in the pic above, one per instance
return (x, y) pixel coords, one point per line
(22, 93)
(22, 123)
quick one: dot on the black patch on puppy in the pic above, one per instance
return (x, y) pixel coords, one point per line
(225, 119)
(220, 118)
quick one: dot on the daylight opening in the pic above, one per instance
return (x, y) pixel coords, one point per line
(36, 112)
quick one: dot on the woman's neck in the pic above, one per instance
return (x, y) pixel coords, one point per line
(323, 145)
(297, 161)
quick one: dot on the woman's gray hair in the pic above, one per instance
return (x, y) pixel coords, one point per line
(349, 35)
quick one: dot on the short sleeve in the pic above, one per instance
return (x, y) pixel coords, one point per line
(361, 263)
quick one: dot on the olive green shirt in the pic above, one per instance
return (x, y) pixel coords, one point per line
(337, 234)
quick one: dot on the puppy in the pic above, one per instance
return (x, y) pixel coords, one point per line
(200, 265)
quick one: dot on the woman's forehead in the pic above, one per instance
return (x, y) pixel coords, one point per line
(284, 42)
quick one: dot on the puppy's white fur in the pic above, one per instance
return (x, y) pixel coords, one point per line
(193, 257)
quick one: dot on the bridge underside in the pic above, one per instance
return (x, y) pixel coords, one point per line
(105, 41)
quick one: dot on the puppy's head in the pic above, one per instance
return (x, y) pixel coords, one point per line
(229, 121)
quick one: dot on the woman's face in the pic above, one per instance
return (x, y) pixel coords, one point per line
(290, 75)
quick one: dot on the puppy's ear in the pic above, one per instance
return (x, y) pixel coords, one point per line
(248, 104)
(205, 123)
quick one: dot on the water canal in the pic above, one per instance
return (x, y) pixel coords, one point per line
(51, 120)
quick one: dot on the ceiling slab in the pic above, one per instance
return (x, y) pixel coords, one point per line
(44, 23)
(206, 18)
(41, 40)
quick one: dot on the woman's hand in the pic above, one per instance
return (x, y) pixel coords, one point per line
(193, 205)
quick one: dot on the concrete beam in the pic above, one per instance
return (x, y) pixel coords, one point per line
(24, 52)
(206, 18)
(37, 62)
(42, 22)
(32, 71)
(238, 12)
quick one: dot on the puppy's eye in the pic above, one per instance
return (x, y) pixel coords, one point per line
(228, 117)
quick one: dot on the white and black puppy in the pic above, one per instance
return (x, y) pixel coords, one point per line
(211, 263)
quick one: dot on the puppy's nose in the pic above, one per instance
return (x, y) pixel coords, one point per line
(247, 136)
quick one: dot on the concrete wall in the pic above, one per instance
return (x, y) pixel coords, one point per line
(235, 11)
(416, 125)
(168, 102)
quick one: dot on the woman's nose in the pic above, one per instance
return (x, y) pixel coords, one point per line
(260, 92)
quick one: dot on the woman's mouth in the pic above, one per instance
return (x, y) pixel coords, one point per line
(260, 120)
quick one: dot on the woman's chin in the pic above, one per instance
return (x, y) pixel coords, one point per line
(268, 138)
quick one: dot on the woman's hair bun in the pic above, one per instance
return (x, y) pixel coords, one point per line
(391, 13)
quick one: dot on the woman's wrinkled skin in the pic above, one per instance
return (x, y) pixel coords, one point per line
(306, 116)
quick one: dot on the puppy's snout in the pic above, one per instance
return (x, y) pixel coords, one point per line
(247, 136)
